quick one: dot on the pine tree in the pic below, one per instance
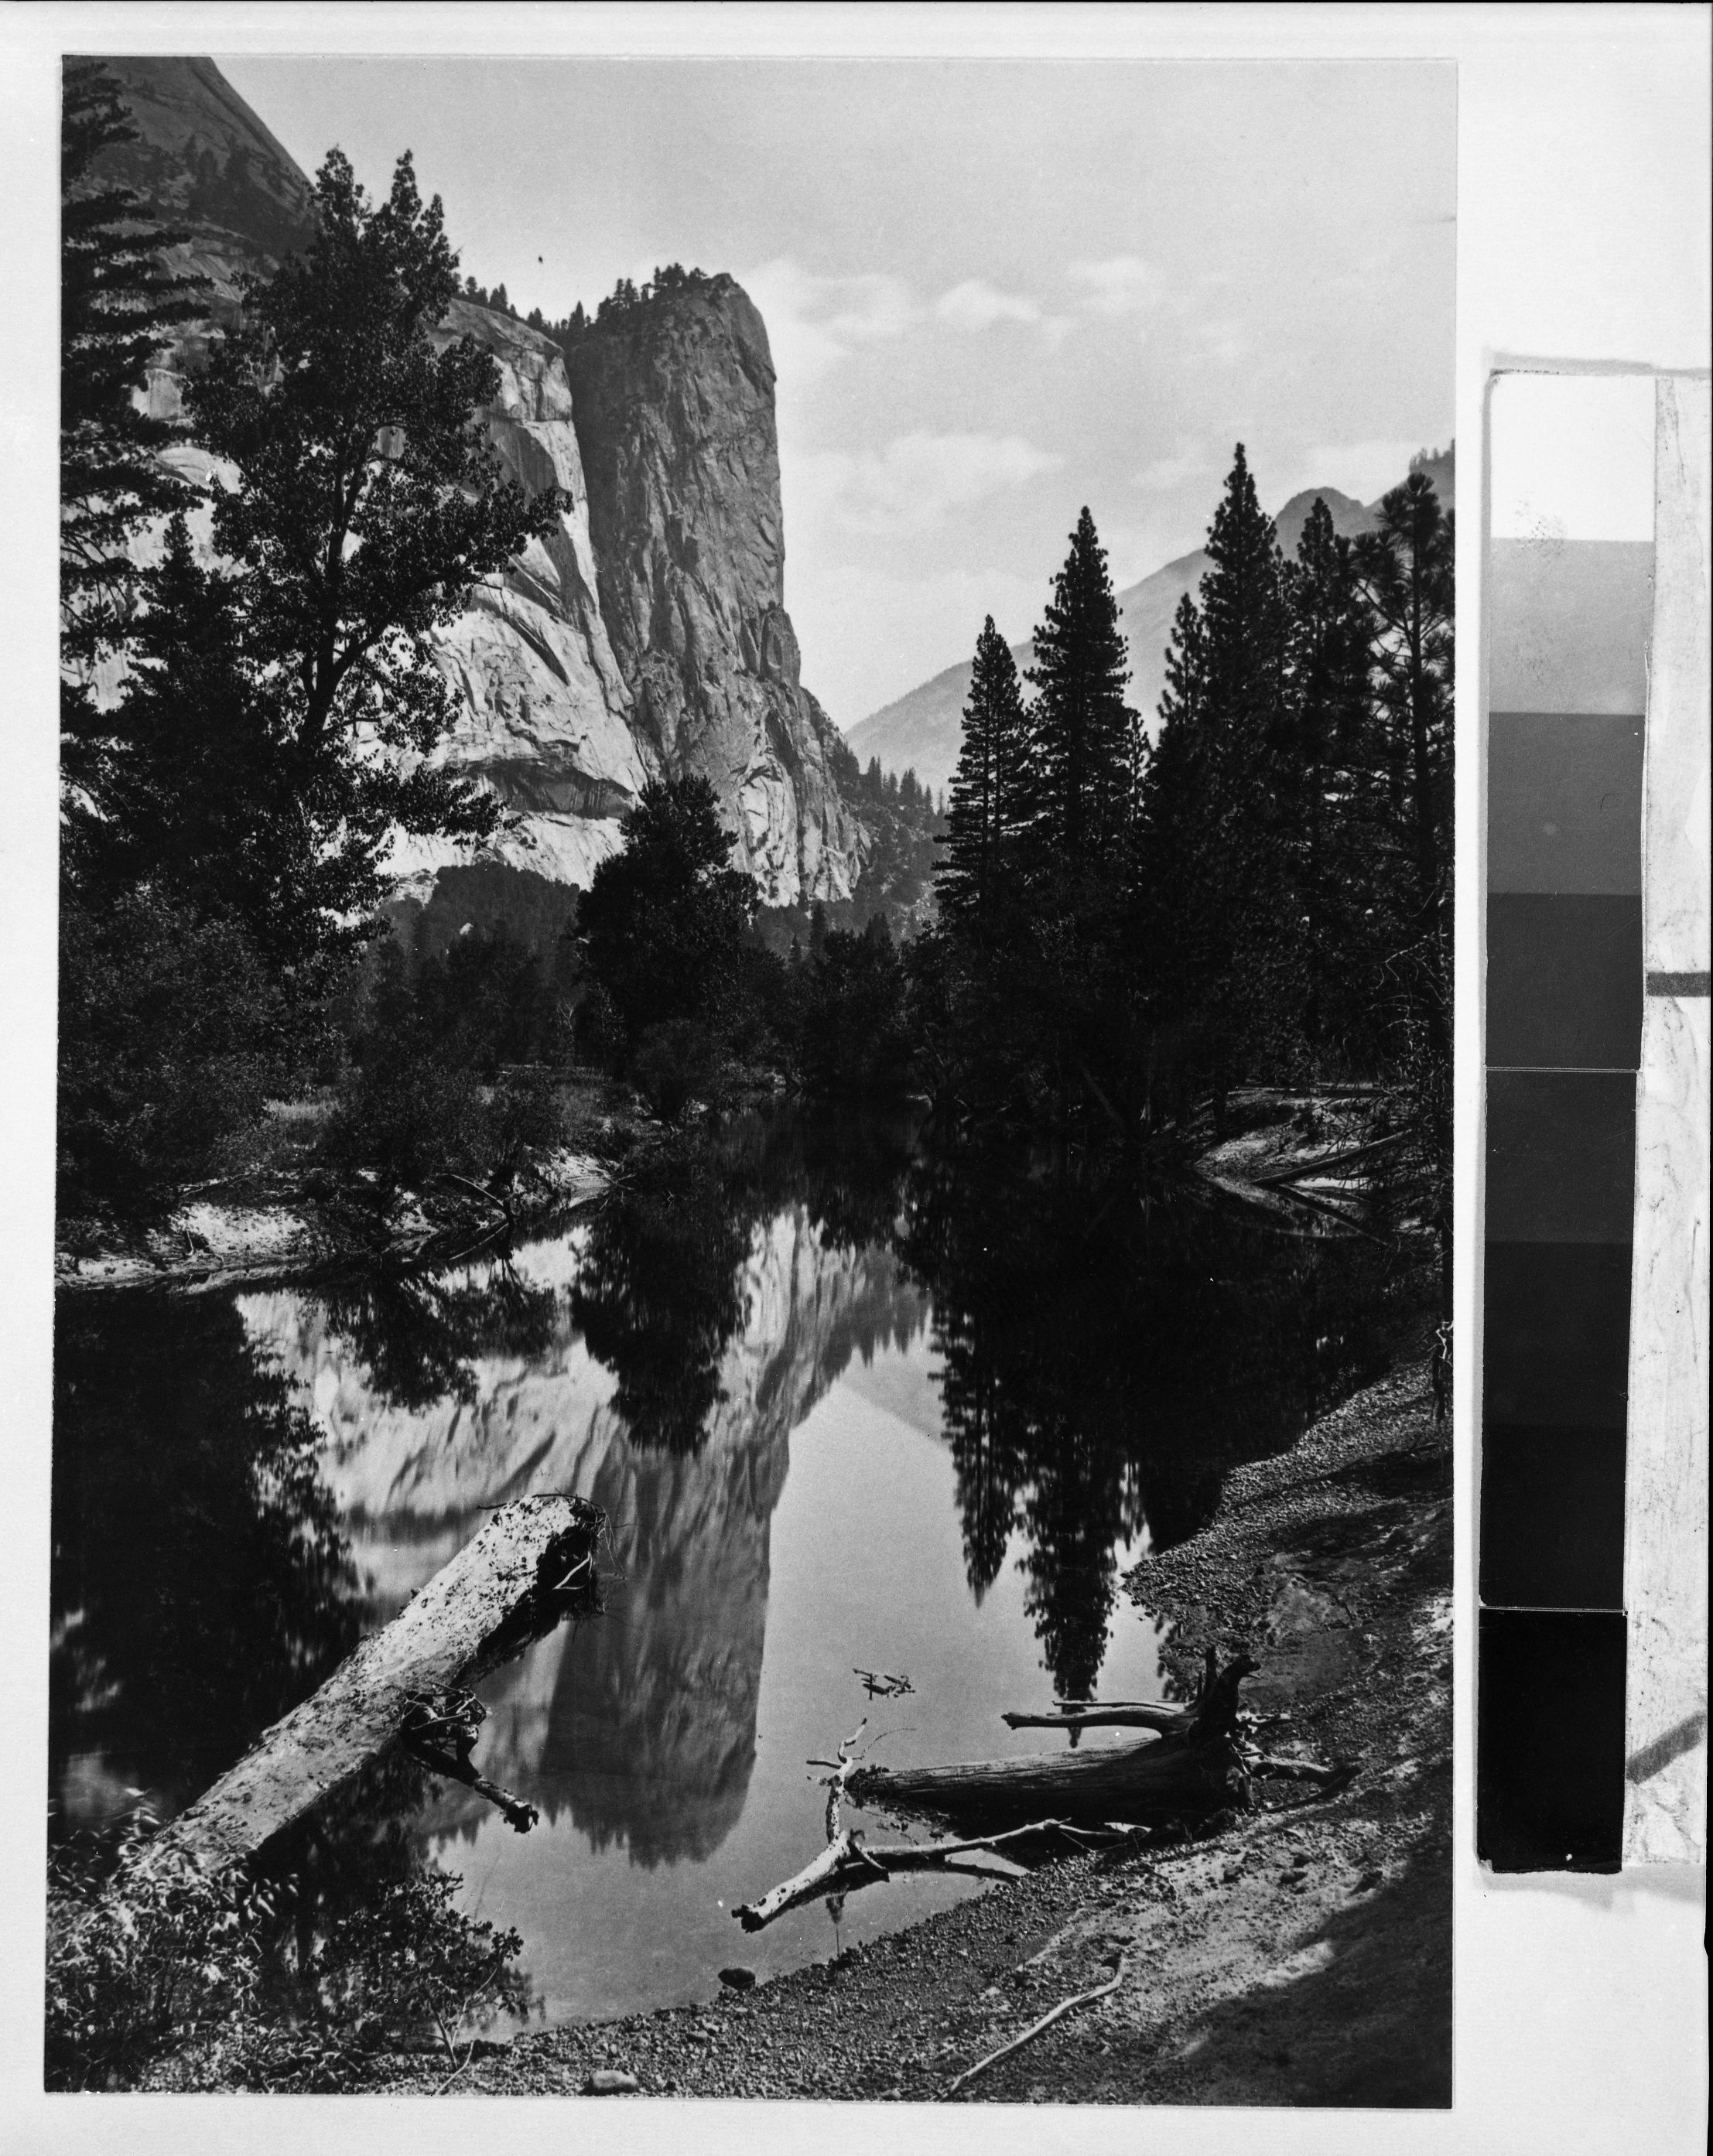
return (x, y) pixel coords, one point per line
(367, 502)
(986, 804)
(1408, 576)
(119, 305)
(1235, 857)
(1327, 789)
(1084, 730)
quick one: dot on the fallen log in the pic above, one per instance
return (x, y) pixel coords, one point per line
(1204, 1765)
(530, 1566)
(1142, 1714)
(1199, 1768)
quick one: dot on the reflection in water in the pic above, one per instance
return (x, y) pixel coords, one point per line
(418, 1336)
(1036, 1379)
(1107, 1358)
(659, 1293)
(201, 1581)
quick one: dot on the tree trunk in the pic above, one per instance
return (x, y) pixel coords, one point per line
(1199, 1769)
(532, 1565)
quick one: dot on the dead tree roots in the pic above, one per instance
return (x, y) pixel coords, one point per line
(1015, 1813)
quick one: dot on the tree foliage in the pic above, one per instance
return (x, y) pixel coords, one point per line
(280, 708)
(1263, 896)
(664, 922)
(989, 797)
(367, 501)
(1083, 734)
(119, 305)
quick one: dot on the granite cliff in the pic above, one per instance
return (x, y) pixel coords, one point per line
(647, 635)
(674, 402)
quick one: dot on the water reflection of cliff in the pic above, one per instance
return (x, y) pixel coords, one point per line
(642, 1723)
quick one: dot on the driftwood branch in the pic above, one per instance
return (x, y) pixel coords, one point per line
(441, 1736)
(1034, 2028)
(848, 1863)
(884, 1684)
(835, 1782)
(1141, 1714)
(476, 1190)
(1332, 1210)
(1203, 1765)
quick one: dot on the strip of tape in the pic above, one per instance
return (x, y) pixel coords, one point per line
(1665, 1510)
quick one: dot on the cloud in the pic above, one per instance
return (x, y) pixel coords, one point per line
(1122, 286)
(932, 621)
(1165, 473)
(917, 480)
(815, 322)
(975, 305)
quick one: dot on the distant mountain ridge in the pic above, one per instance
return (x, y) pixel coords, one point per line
(922, 730)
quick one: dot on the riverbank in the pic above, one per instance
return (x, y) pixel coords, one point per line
(275, 1216)
(1299, 1953)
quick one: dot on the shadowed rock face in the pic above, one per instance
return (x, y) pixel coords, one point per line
(674, 414)
(205, 163)
(649, 638)
(640, 1723)
(545, 710)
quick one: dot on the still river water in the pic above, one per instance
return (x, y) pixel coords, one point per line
(847, 1405)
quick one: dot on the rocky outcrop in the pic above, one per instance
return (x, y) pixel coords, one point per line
(546, 711)
(646, 634)
(674, 399)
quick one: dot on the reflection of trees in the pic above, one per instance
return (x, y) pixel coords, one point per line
(201, 1586)
(659, 1294)
(416, 1335)
(1106, 1362)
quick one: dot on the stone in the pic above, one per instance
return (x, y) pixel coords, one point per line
(611, 2081)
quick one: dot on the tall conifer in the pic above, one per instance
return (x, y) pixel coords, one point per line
(1407, 571)
(1084, 730)
(986, 802)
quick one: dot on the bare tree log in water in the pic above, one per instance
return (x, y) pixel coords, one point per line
(531, 1565)
(1137, 1714)
(1200, 1766)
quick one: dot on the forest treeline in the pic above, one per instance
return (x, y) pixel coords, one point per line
(1261, 894)
(1094, 936)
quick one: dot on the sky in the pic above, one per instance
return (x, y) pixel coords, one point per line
(994, 291)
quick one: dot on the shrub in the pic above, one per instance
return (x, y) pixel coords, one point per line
(674, 1064)
(161, 1975)
(172, 1034)
(406, 1117)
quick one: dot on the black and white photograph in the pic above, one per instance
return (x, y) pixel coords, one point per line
(753, 1260)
